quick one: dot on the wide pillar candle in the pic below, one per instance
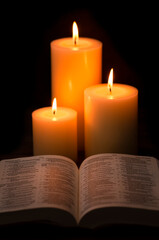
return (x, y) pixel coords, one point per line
(55, 133)
(111, 119)
(75, 67)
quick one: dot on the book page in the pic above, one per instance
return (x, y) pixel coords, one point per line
(37, 182)
(58, 186)
(107, 180)
(18, 183)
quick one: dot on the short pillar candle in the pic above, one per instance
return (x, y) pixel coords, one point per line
(55, 132)
(111, 119)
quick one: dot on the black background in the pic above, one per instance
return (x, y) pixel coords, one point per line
(129, 35)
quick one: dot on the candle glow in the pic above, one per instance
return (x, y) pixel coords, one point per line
(75, 33)
(110, 80)
(54, 106)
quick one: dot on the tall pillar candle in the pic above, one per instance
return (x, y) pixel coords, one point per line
(55, 132)
(111, 119)
(75, 65)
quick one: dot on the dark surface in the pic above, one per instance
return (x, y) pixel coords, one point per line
(46, 231)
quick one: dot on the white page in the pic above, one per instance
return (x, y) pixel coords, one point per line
(118, 180)
(59, 184)
(40, 181)
(18, 183)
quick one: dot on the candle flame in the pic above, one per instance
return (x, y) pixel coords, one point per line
(75, 33)
(110, 80)
(54, 106)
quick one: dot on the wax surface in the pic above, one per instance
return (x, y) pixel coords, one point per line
(74, 68)
(82, 45)
(118, 91)
(46, 114)
(55, 133)
(111, 119)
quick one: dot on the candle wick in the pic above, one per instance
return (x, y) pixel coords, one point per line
(110, 89)
(75, 40)
(54, 112)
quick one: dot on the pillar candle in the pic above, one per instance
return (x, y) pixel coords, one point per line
(111, 119)
(75, 65)
(55, 132)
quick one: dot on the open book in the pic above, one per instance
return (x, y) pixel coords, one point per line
(106, 189)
